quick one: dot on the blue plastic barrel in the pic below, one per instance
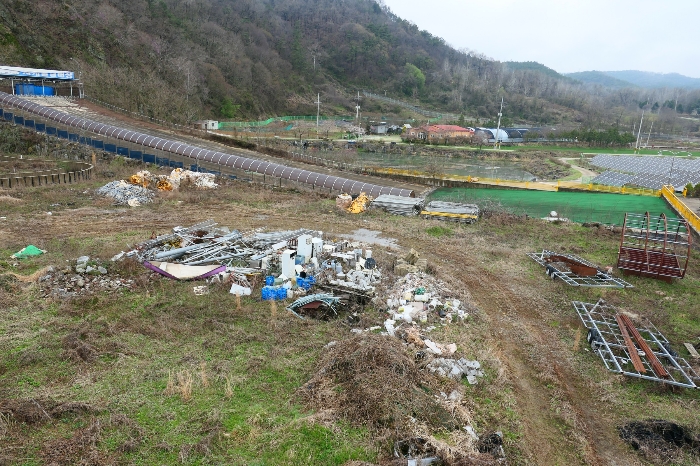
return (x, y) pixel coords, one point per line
(269, 280)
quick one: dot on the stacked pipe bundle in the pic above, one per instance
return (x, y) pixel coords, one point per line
(399, 205)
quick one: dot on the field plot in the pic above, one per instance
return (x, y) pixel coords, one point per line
(578, 207)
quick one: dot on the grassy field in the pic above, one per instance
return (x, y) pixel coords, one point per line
(157, 375)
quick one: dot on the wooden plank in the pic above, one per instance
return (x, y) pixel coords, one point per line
(691, 349)
(631, 349)
(659, 369)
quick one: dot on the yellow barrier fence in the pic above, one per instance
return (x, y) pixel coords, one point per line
(685, 212)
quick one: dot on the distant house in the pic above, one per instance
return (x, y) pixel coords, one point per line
(381, 128)
(206, 124)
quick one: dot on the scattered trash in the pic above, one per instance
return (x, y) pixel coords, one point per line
(315, 302)
(555, 217)
(456, 368)
(126, 194)
(184, 272)
(89, 276)
(343, 201)
(575, 271)
(28, 251)
(411, 263)
(359, 204)
(201, 290)
(452, 211)
(239, 290)
(178, 177)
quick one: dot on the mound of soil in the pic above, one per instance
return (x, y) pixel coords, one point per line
(660, 441)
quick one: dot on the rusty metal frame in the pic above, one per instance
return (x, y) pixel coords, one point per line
(557, 270)
(655, 247)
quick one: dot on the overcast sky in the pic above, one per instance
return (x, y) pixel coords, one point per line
(568, 35)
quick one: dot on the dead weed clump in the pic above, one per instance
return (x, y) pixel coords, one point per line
(76, 349)
(371, 380)
(80, 449)
(661, 442)
(34, 411)
(180, 384)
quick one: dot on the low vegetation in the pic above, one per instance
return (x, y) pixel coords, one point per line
(157, 375)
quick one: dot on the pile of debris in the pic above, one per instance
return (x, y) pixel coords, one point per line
(411, 263)
(355, 204)
(126, 194)
(372, 380)
(178, 177)
(87, 277)
(452, 211)
(290, 262)
(399, 205)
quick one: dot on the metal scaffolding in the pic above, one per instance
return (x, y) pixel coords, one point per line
(654, 359)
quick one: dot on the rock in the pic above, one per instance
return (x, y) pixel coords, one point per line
(80, 282)
(102, 270)
(82, 260)
(89, 269)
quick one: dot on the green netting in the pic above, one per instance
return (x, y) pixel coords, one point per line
(578, 207)
(247, 124)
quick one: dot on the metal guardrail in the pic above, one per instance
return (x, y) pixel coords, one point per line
(691, 217)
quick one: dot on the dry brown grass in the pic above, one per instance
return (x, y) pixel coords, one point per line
(228, 387)
(9, 199)
(203, 374)
(184, 385)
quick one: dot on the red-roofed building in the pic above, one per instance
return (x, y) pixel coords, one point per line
(436, 133)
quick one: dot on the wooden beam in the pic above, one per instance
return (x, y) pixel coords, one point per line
(631, 349)
(659, 369)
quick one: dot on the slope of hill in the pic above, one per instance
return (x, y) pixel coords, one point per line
(255, 58)
(655, 80)
(600, 78)
(252, 59)
(534, 66)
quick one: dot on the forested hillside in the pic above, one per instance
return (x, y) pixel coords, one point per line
(249, 59)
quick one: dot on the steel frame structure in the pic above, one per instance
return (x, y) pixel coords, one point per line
(656, 247)
(607, 340)
(561, 271)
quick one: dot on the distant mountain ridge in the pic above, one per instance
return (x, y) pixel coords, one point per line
(599, 77)
(635, 78)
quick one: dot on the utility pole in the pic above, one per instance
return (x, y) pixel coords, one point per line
(318, 111)
(498, 127)
(649, 135)
(636, 146)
